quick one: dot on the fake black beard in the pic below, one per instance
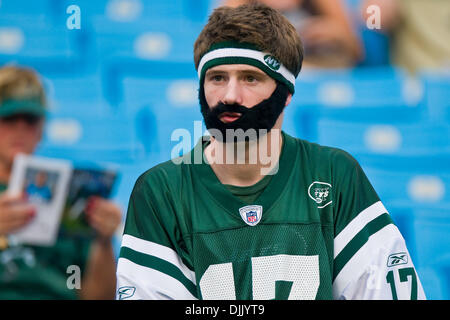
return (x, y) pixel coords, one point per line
(252, 123)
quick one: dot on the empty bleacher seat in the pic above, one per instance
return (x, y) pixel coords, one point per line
(131, 10)
(437, 96)
(384, 138)
(79, 93)
(129, 80)
(38, 42)
(432, 228)
(35, 8)
(357, 87)
(169, 90)
(359, 95)
(434, 281)
(145, 39)
(173, 103)
(432, 235)
(409, 180)
(81, 137)
(410, 186)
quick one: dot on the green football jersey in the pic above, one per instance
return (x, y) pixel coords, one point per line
(40, 273)
(317, 231)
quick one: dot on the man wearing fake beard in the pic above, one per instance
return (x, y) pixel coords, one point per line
(308, 226)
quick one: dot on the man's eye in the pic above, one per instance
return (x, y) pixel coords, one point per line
(251, 79)
(216, 78)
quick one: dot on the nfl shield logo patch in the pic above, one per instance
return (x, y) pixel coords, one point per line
(251, 214)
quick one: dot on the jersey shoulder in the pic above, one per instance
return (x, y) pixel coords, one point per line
(336, 171)
(164, 176)
(325, 158)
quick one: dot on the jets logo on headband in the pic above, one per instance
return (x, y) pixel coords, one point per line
(272, 62)
(238, 53)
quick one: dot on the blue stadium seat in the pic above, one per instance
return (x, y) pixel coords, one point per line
(432, 234)
(359, 95)
(76, 93)
(174, 105)
(431, 163)
(376, 47)
(199, 10)
(411, 186)
(432, 229)
(437, 96)
(35, 7)
(88, 9)
(106, 139)
(367, 86)
(434, 281)
(37, 42)
(176, 91)
(135, 10)
(131, 10)
(147, 39)
(146, 72)
(384, 137)
(168, 90)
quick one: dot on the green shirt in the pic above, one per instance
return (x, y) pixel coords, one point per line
(38, 272)
(251, 193)
(317, 230)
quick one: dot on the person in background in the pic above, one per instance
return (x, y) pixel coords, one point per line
(38, 272)
(325, 28)
(417, 30)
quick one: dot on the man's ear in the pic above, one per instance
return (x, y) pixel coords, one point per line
(288, 99)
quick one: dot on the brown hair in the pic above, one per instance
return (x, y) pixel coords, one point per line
(256, 24)
(20, 83)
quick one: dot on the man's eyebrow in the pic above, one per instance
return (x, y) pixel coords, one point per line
(244, 71)
(253, 72)
(211, 72)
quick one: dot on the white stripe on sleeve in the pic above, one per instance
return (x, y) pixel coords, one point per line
(356, 225)
(159, 251)
(148, 284)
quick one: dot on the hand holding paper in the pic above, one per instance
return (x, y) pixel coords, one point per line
(104, 216)
(45, 181)
(15, 212)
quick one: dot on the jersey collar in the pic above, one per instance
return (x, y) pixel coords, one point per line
(230, 203)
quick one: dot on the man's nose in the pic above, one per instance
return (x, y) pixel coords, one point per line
(233, 92)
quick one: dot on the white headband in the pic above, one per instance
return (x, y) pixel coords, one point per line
(261, 60)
